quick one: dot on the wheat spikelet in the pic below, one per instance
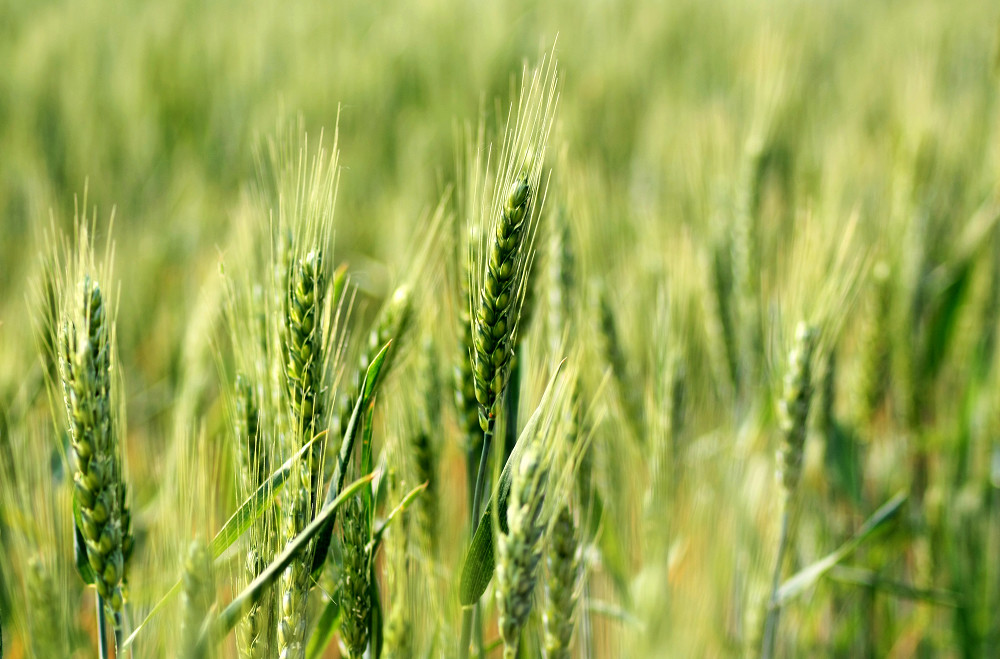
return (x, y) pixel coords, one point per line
(562, 280)
(876, 359)
(355, 628)
(563, 564)
(199, 596)
(305, 383)
(100, 492)
(48, 640)
(794, 408)
(520, 549)
(254, 632)
(497, 312)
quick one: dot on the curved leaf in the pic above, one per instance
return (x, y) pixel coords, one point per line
(368, 387)
(480, 561)
(252, 593)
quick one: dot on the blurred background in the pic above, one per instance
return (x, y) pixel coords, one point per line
(157, 108)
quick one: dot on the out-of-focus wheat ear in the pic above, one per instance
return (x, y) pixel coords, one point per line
(48, 636)
(355, 628)
(793, 411)
(425, 464)
(425, 452)
(826, 409)
(520, 549)
(254, 461)
(198, 599)
(99, 490)
(398, 641)
(614, 354)
(746, 265)
(722, 289)
(254, 630)
(561, 280)
(876, 351)
(47, 312)
(666, 437)
(466, 405)
(393, 323)
(563, 562)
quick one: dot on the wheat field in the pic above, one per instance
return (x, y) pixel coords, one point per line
(452, 329)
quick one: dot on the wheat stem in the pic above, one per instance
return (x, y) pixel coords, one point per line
(102, 639)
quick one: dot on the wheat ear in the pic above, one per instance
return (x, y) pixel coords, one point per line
(304, 379)
(356, 588)
(794, 415)
(520, 549)
(100, 491)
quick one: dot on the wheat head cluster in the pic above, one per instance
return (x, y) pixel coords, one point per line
(556, 424)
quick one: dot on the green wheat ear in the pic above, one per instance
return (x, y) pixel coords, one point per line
(100, 493)
(793, 412)
(355, 628)
(255, 630)
(304, 373)
(199, 595)
(876, 359)
(794, 408)
(520, 549)
(563, 564)
(47, 638)
(304, 367)
(425, 449)
(497, 315)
